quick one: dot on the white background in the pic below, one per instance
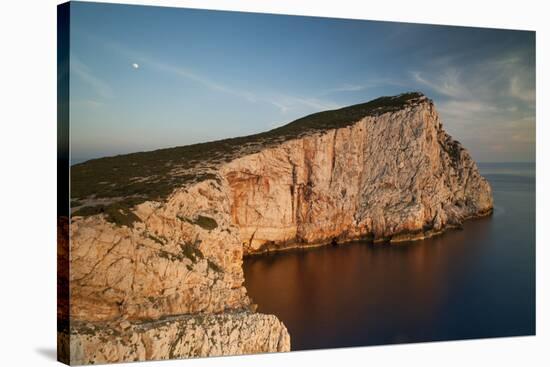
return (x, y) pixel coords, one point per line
(28, 182)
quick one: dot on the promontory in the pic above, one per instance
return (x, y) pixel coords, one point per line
(157, 238)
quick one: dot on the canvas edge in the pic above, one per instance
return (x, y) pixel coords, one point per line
(63, 199)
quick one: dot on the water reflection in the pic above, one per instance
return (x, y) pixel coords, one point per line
(470, 283)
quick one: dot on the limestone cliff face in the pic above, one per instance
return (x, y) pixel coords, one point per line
(165, 264)
(391, 177)
(179, 337)
(170, 286)
(387, 175)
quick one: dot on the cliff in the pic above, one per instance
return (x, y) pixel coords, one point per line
(392, 177)
(178, 337)
(161, 235)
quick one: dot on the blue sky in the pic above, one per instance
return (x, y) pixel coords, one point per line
(204, 75)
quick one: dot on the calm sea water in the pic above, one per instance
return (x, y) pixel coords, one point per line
(477, 282)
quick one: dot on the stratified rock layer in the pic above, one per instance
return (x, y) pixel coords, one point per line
(392, 174)
(178, 337)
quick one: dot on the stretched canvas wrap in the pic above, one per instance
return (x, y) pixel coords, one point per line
(234, 183)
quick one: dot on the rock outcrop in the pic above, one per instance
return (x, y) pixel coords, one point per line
(157, 264)
(393, 177)
(173, 281)
(178, 337)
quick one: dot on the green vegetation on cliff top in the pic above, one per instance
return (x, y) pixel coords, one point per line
(133, 178)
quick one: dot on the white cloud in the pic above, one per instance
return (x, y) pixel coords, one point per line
(488, 104)
(448, 83)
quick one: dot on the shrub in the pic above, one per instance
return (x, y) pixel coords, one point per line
(201, 221)
(118, 213)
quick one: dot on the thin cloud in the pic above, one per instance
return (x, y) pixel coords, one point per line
(188, 74)
(447, 83)
(281, 106)
(371, 83)
(488, 104)
(283, 102)
(346, 88)
(87, 103)
(85, 74)
(504, 79)
(519, 90)
(287, 102)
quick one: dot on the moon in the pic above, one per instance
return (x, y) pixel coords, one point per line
(135, 66)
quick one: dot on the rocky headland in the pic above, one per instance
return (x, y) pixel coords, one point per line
(158, 238)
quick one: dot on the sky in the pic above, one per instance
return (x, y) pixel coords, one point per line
(143, 78)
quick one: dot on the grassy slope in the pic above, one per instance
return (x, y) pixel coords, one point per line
(133, 178)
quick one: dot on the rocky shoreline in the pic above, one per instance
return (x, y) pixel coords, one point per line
(397, 238)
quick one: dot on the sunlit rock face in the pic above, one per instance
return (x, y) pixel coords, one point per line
(179, 337)
(164, 265)
(386, 176)
(392, 177)
(172, 282)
